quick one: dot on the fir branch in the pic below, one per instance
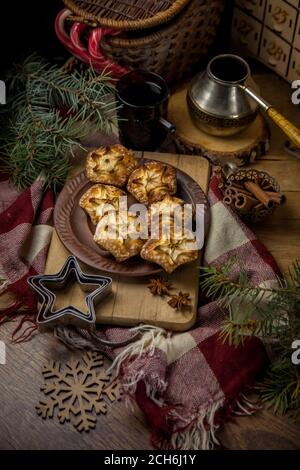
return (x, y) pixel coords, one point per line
(280, 389)
(49, 112)
(254, 310)
(273, 313)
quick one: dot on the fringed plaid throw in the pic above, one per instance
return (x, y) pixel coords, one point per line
(187, 384)
(25, 232)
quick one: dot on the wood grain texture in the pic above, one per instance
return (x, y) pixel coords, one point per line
(20, 379)
(291, 131)
(22, 428)
(129, 304)
(281, 232)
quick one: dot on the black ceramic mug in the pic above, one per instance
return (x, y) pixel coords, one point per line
(143, 99)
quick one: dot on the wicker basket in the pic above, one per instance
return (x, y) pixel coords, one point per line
(174, 49)
(126, 14)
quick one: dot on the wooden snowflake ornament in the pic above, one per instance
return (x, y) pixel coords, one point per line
(83, 386)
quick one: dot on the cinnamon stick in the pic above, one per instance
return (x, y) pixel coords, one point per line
(276, 197)
(258, 206)
(259, 193)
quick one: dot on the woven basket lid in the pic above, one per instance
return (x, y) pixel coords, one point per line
(126, 14)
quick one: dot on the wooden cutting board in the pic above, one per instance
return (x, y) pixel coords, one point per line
(131, 303)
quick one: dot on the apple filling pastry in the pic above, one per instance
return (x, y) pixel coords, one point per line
(152, 182)
(119, 235)
(168, 206)
(171, 251)
(95, 201)
(110, 165)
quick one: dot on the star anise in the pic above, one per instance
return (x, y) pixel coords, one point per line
(159, 286)
(180, 300)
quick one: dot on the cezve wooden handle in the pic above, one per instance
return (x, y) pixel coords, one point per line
(288, 128)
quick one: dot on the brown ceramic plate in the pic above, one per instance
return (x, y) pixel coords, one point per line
(76, 232)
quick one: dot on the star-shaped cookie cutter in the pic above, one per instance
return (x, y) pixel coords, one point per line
(96, 287)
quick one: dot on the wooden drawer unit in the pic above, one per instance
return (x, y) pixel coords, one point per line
(275, 52)
(294, 3)
(270, 31)
(294, 68)
(281, 17)
(246, 32)
(297, 34)
(254, 7)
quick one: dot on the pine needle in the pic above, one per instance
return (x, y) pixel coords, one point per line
(48, 114)
(270, 313)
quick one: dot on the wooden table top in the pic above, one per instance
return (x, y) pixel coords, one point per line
(20, 378)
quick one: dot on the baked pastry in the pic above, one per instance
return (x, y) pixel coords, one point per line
(118, 234)
(95, 200)
(162, 211)
(110, 165)
(167, 206)
(152, 182)
(170, 252)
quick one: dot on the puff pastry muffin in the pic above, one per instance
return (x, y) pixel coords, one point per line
(152, 182)
(167, 206)
(97, 197)
(110, 165)
(121, 245)
(170, 252)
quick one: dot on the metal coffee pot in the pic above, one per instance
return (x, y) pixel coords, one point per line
(223, 100)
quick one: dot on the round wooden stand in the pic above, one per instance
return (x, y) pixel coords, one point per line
(241, 149)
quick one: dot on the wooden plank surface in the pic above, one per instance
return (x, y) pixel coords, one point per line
(281, 232)
(21, 428)
(129, 303)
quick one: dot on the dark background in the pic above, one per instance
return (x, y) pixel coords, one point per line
(28, 26)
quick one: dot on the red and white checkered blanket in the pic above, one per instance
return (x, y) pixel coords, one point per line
(25, 232)
(185, 383)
